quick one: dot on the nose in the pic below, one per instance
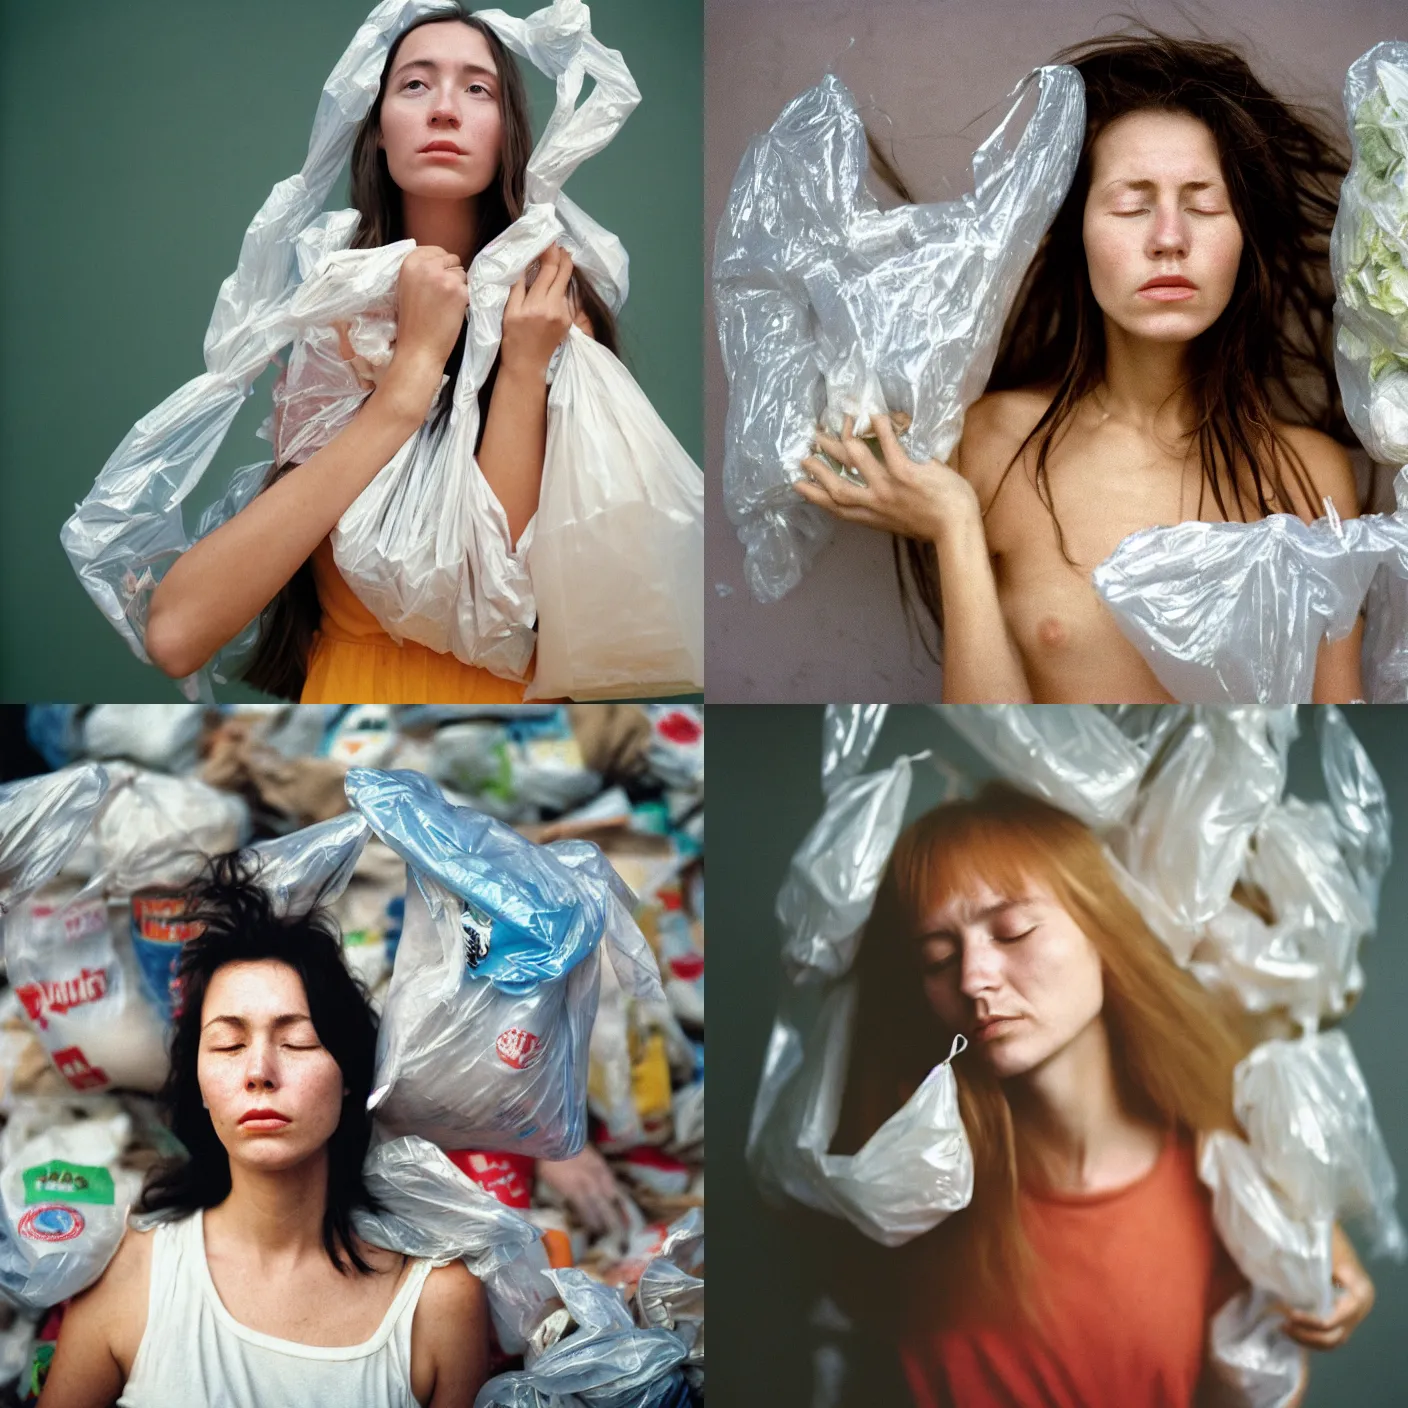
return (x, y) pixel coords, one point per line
(444, 112)
(1168, 235)
(981, 972)
(260, 1071)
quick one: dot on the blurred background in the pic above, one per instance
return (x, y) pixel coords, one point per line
(628, 777)
(783, 1346)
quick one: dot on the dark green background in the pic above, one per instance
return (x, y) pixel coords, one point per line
(764, 795)
(139, 139)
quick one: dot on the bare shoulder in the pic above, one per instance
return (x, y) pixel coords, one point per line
(1328, 466)
(452, 1293)
(449, 1337)
(123, 1286)
(993, 431)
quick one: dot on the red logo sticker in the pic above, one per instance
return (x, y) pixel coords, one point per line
(51, 1223)
(518, 1048)
(74, 1068)
(45, 1000)
(679, 727)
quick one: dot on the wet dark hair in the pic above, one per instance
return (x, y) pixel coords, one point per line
(1268, 355)
(279, 664)
(241, 926)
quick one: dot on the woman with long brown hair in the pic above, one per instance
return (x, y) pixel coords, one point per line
(1086, 1268)
(440, 158)
(1168, 360)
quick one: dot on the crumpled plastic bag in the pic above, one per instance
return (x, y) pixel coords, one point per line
(832, 879)
(64, 1203)
(828, 306)
(311, 867)
(606, 1362)
(426, 547)
(619, 529)
(1234, 613)
(43, 820)
(430, 1209)
(165, 737)
(848, 732)
(485, 1030)
(1254, 1362)
(1308, 1116)
(1274, 1246)
(1367, 255)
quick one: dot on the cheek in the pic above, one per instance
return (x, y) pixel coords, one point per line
(1110, 247)
(1225, 253)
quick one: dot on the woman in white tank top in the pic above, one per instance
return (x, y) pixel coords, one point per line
(252, 1291)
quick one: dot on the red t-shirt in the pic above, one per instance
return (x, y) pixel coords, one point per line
(1131, 1278)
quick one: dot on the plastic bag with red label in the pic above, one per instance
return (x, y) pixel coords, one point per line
(485, 1031)
(64, 1199)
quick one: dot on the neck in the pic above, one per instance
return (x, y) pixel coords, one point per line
(453, 225)
(1146, 383)
(277, 1213)
(1071, 1124)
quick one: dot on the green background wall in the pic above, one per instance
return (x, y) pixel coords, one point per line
(765, 1266)
(136, 143)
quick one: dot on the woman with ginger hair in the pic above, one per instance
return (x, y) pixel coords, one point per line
(1086, 1269)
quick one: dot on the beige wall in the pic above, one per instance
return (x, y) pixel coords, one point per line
(939, 71)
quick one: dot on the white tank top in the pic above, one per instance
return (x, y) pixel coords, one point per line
(195, 1354)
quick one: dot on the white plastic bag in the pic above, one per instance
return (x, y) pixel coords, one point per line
(1254, 1362)
(617, 556)
(65, 1204)
(426, 546)
(43, 821)
(828, 306)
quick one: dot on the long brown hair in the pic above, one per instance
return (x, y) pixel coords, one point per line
(1269, 355)
(288, 625)
(1173, 1046)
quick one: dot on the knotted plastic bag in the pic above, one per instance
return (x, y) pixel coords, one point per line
(426, 546)
(1252, 1357)
(828, 306)
(619, 529)
(486, 1027)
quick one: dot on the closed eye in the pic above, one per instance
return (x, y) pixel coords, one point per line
(1012, 938)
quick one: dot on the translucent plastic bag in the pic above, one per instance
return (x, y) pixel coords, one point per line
(411, 545)
(828, 306)
(312, 866)
(620, 527)
(1074, 756)
(485, 1031)
(1275, 1247)
(428, 1208)
(849, 732)
(1234, 613)
(1308, 1116)
(606, 1362)
(1254, 1362)
(1367, 254)
(65, 1202)
(832, 879)
(43, 820)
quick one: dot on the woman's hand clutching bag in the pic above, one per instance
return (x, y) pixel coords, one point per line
(538, 315)
(432, 294)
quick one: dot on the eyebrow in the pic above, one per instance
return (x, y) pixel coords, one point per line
(435, 67)
(286, 1019)
(989, 912)
(1154, 185)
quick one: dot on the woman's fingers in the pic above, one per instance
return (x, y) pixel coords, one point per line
(852, 452)
(835, 495)
(517, 293)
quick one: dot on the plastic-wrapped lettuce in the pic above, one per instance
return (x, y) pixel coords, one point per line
(1369, 254)
(828, 306)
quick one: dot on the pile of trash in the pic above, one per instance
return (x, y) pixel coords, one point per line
(521, 890)
(1264, 897)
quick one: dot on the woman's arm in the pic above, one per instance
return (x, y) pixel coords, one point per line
(515, 433)
(449, 1339)
(213, 590)
(935, 503)
(101, 1330)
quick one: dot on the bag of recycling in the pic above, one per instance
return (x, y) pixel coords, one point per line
(828, 306)
(486, 1027)
(426, 547)
(64, 1200)
(620, 527)
(43, 821)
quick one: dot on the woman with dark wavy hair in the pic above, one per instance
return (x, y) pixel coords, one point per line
(254, 1288)
(1168, 360)
(440, 158)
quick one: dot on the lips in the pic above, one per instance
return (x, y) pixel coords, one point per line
(1168, 288)
(989, 1027)
(263, 1119)
(441, 148)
